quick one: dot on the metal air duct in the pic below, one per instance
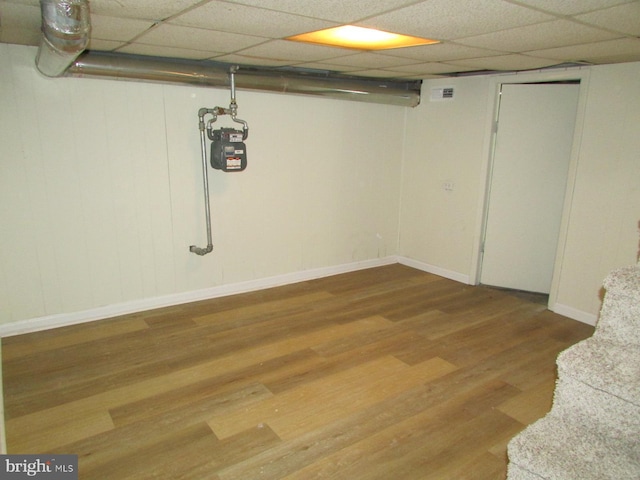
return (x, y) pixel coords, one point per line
(215, 74)
(65, 34)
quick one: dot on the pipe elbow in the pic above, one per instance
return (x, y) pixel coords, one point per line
(201, 251)
(65, 34)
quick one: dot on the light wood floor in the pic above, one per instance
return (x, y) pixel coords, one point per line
(387, 373)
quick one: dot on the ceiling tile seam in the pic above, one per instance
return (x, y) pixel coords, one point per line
(186, 10)
(523, 51)
(604, 29)
(353, 21)
(136, 40)
(456, 39)
(389, 53)
(572, 17)
(560, 15)
(170, 20)
(386, 12)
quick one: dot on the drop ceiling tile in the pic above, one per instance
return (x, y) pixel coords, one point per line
(610, 51)
(19, 16)
(333, 10)
(564, 7)
(19, 36)
(367, 59)
(104, 45)
(328, 67)
(229, 17)
(19, 24)
(433, 68)
(446, 20)
(624, 18)
(442, 52)
(197, 39)
(118, 29)
(294, 51)
(507, 62)
(141, 9)
(557, 33)
(33, 3)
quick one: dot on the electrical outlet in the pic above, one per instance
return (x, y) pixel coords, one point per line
(448, 186)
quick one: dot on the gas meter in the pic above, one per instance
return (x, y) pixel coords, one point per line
(228, 151)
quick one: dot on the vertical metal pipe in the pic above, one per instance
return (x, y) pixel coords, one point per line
(232, 81)
(205, 184)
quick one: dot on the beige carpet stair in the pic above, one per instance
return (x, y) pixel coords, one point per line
(593, 428)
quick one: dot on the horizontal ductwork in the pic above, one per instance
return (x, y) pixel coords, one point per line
(215, 74)
(65, 33)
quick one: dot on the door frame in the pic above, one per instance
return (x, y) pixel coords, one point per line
(573, 74)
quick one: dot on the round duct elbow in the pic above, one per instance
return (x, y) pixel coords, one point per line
(65, 33)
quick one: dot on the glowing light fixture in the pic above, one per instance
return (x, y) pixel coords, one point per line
(350, 36)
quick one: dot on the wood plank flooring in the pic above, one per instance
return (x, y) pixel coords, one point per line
(385, 373)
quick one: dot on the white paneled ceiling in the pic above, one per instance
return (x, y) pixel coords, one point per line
(474, 35)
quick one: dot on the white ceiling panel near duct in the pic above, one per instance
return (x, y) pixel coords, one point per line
(66, 26)
(474, 37)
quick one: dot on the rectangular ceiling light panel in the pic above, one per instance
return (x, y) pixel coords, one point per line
(350, 36)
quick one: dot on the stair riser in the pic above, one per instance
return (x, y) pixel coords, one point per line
(604, 366)
(595, 409)
(620, 313)
(516, 473)
(619, 319)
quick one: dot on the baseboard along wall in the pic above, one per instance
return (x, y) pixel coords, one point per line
(110, 311)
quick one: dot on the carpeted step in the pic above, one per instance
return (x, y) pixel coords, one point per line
(619, 319)
(517, 473)
(593, 429)
(596, 410)
(604, 365)
(554, 448)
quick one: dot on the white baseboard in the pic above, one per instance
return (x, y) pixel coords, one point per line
(425, 267)
(574, 314)
(109, 311)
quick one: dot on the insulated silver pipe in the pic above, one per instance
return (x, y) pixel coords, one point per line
(214, 74)
(205, 183)
(65, 34)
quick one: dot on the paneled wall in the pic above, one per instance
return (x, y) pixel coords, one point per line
(101, 189)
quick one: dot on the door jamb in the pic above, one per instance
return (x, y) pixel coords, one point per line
(580, 74)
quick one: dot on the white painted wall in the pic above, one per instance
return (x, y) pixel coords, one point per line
(101, 189)
(444, 145)
(603, 231)
(450, 142)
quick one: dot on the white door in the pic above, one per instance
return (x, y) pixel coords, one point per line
(527, 186)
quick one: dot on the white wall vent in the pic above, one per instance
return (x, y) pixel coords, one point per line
(439, 94)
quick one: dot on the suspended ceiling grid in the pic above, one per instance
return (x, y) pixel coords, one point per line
(475, 35)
